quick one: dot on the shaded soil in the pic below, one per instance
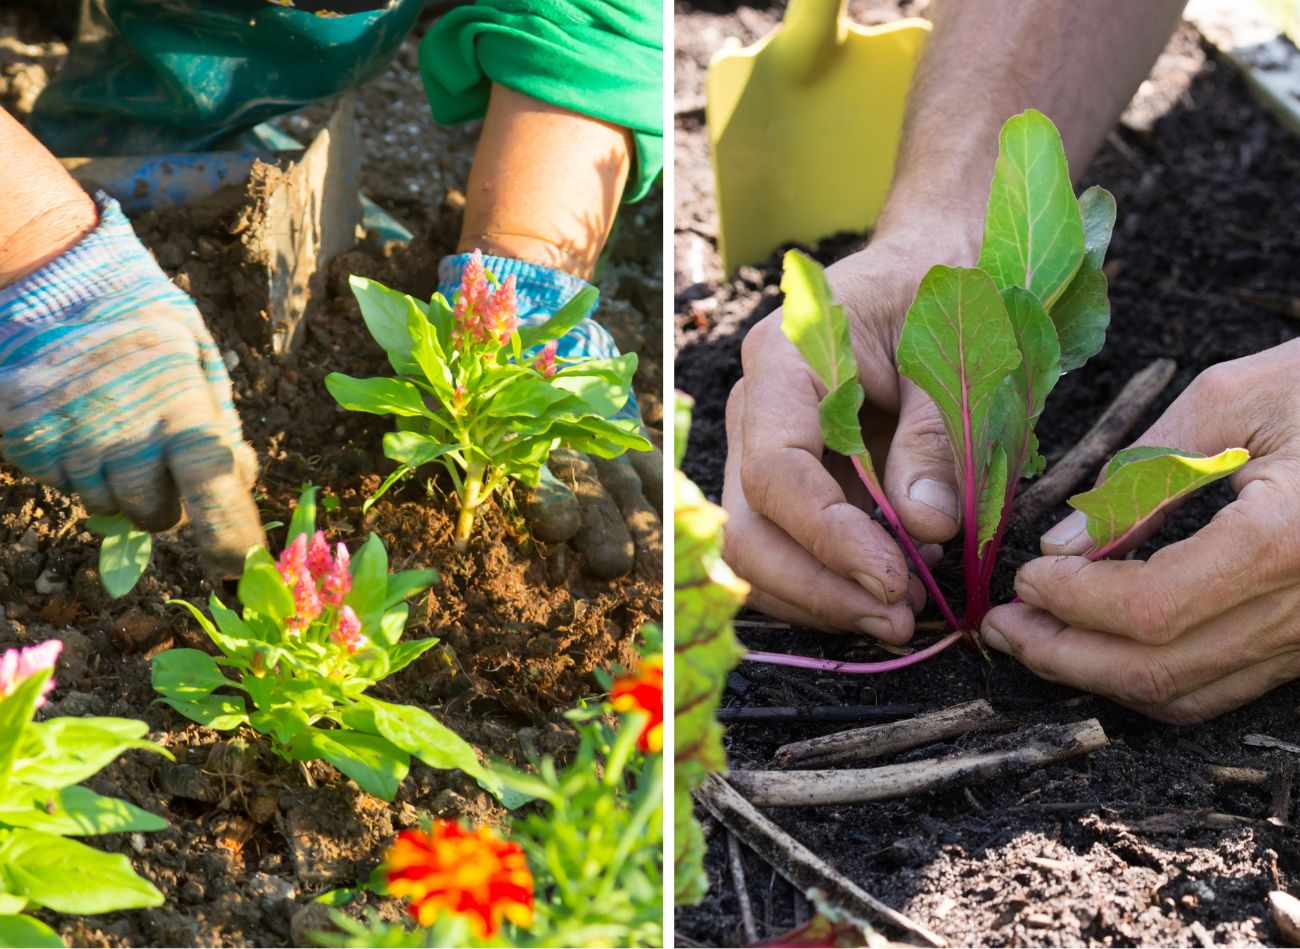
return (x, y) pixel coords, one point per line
(1118, 848)
(522, 626)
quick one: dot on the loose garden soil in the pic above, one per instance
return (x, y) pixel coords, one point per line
(1114, 849)
(523, 627)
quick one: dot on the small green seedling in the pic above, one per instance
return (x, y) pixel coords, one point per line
(124, 552)
(482, 395)
(987, 344)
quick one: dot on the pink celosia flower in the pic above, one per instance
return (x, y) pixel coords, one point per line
(318, 555)
(348, 632)
(337, 580)
(306, 604)
(293, 560)
(481, 313)
(501, 313)
(19, 665)
(545, 363)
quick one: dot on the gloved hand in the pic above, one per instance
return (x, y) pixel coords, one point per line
(609, 508)
(111, 387)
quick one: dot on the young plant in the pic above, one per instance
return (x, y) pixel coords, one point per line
(42, 805)
(482, 395)
(124, 552)
(318, 628)
(987, 344)
(583, 868)
(706, 595)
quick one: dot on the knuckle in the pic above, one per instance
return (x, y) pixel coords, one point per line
(1156, 616)
(1148, 682)
(1216, 385)
(752, 345)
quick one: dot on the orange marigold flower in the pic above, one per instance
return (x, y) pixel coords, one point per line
(643, 691)
(471, 873)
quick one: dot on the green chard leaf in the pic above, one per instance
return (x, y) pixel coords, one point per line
(1033, 235)
(1023, 393)
(1082, 312)
(815, 323)
(958, 345)
(1141, 480)
(706, 596)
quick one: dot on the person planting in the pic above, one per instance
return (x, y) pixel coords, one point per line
(111, 386)
(1203, 626)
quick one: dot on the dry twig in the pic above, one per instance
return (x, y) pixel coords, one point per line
(737, 863)
(877, 741)
(799, 865)
(856, 786)
(817, 713)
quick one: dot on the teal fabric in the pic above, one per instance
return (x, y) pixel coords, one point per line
(602, 58)
(160, 76)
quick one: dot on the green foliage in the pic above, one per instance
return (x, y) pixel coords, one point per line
(42, 805)
(706, 595)
(293, 674)
(594, 845)
(1140, 481)
(124, 553)
(482, 408)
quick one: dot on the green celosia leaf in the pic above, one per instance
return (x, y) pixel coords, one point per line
(16, 711)
(413, 449)
(262, 590)
(815, 323)
(379, 396)
(69, 877)
(24, 932)
(74, 811)
(375, 763)
(1033, 235)
(1141, 480)
(957, 344)
(303, 520)
(565, 319)
(124, 552)
(74, 749)
(385, 312)
(187, 674)
(603, 385)
(1082, 311)
(706, 595)
(222, 712)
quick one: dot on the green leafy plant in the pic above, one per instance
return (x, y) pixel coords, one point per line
(42, 805)
(583, 867)
(482, 395)
(317, 629)
(124, 552)
(706, 595)
(987, 344)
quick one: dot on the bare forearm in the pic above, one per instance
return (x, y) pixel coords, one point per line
(44, 212)
(1077, 61)
(546, 184)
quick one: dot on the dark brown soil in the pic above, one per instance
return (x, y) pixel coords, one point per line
(1207, 199)
(523, 627)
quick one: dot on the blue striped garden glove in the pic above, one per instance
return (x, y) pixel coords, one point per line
(542, 291)
(111, 387)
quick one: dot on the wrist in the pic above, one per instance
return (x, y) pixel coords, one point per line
(45, 236)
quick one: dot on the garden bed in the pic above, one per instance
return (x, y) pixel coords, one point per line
(523, 627)
(1116, 848)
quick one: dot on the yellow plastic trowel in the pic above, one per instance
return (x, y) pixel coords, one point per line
(804, 126)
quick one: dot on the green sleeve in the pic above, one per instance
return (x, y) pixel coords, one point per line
(602, 58)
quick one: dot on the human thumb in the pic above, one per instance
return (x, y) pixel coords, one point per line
(920, 474)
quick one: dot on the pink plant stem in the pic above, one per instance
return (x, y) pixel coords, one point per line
(908, 545)
(975, 607)
(854, 668)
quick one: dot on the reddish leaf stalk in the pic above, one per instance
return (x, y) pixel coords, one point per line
(856, 668)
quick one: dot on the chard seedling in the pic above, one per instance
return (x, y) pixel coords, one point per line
(318, 628)
(124, 553)
(987, 344)
(481, 394)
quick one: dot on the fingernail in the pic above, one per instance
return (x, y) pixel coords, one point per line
(876, 627)
(993, 637)
(1067, 530)
(872, 586)
(934, 494)
(1025, 590)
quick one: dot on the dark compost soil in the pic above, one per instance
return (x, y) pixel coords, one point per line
(1114, 849)
(523, 627)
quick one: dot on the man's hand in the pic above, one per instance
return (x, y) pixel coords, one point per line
(111, 387)
(799, 530)
(1208, 623)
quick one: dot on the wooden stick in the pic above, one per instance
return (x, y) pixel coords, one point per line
(1280, 807)
(1225, 774)
(817, 713)
(807, 788)
(1099, 444)
(1268, 741)
(876, 741)
(737, 863)
(799, 865)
